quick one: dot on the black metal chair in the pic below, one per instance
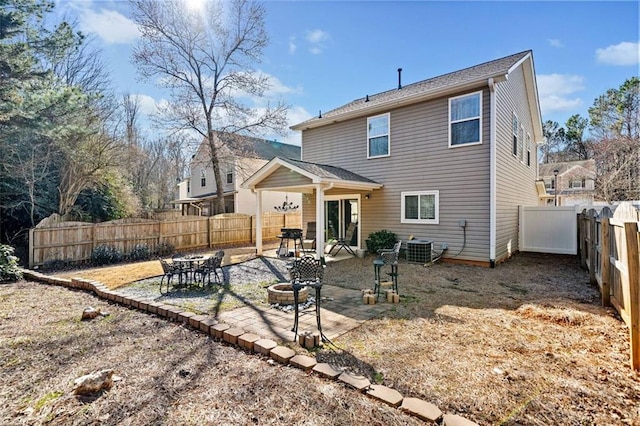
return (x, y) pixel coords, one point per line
(169, 270)
(306, 271)
(386, 257)
(211, 265)
(345, 242)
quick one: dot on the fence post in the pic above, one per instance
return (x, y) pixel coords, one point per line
(605, 267)
(633, 269)
(31, 230)
(583, 238)
(592, 246)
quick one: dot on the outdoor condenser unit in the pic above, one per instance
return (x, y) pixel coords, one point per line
(419, 251)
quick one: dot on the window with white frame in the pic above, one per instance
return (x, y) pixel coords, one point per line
(378, 136)
(520, 144)
(420, 207)
(229, 175)
(577, 184)
(528, 150)
(203, 177)
(465, 122)
(514, 131)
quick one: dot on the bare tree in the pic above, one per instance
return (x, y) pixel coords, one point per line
(205, 57)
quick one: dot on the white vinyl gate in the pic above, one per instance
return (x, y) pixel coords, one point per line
(549, 229)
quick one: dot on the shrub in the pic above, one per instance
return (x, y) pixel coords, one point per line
(103, 255)
(379, 240)
(165, 249)
(9, 270)
(140, 252)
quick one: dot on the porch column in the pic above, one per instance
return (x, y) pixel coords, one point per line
(258, 222)
(319, 221)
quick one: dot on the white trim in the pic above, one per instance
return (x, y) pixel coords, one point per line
(436, 195)
(388, 115)
(479, 118)
(349, 197)
(514, 133)
(528, 144)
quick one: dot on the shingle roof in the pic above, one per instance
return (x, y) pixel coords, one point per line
(251, 147)
(547, 169)
(450, 80)
(329, 172)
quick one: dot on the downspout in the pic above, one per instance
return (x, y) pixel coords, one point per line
(197, 208)
(492, 173)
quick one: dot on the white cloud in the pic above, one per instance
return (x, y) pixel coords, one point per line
(292, 45)
(317, 39)
(111, 26)
(625, 53)
(555, 90)
(554, 42)
(147, 104)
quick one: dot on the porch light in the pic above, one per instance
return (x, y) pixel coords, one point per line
(286, 206)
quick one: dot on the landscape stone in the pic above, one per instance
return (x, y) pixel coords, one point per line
(218, 330)
(385, 394)
(231, 335)
(422, 409)
(355, 380)
(247, 341)
(326, 370)
(455, 420)
(282, 354)
(264, 346)
(303, 362)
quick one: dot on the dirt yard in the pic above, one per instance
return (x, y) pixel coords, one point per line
(525, 343)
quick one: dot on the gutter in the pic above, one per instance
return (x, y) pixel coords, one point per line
(492, 173)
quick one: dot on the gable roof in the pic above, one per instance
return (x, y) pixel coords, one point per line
(316, 173)
(589, 167)
(252, 147)
(467, 78)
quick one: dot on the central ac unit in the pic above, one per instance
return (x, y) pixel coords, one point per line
(419, 251)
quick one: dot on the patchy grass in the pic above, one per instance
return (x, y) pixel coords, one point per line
(526, 343)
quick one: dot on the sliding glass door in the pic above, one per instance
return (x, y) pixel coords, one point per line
(339, 213)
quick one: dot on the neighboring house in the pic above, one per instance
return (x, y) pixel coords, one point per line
(573, 185)
(448, 159)
(240, 157)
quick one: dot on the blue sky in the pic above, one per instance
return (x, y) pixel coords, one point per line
(324, 54)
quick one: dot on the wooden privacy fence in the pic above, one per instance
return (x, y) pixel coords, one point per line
(609, 251)
(75, 241)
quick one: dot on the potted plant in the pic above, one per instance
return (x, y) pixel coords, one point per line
(379, 240)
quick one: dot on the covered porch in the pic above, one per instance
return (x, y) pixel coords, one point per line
(331, 197)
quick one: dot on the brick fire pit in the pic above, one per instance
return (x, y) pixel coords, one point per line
(282, 293)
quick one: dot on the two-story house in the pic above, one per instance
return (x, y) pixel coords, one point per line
(448, 159)
(570, 183)
(240, 156)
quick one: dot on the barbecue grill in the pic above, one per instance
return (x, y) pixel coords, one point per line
(287, 234)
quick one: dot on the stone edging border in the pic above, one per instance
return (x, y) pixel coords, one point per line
(253, 343)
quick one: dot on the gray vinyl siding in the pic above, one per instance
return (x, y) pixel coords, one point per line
(515, 181)
(420, 160)
(283, 177)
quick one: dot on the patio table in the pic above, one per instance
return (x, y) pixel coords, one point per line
(191, 263)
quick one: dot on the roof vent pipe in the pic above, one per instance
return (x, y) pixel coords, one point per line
(399, 78)
(367, 99)
(320, 114)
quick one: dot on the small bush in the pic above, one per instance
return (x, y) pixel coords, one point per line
(379, 240)
(9, 270)
(140, 252)
(165, 249)
(55, 265)
(104, 255)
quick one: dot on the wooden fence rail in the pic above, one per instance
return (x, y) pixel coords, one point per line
(75, 241)
(609, 251)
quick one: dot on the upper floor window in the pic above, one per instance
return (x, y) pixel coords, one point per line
(514, 131)
(579, 183)
(420, 207)
(465, 123)
(229, 175)
(378, 136)
(203, 177)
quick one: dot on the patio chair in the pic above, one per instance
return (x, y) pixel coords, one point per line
(306, 271)
(310, 237)
(386, 257)
(169, 270)
(211, 265)
(345, 242)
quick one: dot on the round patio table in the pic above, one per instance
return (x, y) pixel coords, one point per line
(190, 264)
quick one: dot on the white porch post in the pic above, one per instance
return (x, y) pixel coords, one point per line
(259, 223)
(319, 221)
